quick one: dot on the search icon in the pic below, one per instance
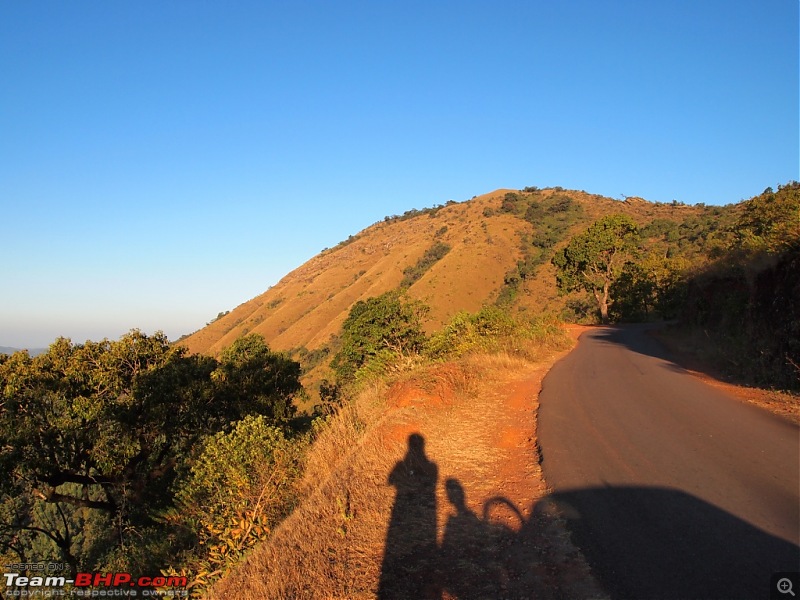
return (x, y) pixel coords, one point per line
(785, 586)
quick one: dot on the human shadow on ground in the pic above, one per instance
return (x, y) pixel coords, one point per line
(410, 555)
(641, 542)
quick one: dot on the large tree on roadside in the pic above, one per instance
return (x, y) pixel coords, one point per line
(593, 260)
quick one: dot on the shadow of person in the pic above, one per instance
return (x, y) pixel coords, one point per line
(410, 559)
(471, 554)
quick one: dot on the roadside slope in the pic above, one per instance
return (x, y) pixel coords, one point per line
(460, 440)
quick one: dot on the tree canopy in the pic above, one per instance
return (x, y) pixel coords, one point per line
(594, 259)
(106, 426)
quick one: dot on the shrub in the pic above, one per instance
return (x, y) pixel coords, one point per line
(432, 255)
(387, 325)
(486, 330)
(240, 487)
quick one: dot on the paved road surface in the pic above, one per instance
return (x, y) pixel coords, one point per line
(671, 488)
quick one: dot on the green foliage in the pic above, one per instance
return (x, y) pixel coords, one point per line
(579, 310)
(593, 260)
(330, 396)
(100, 431)
(467, 331)
(489, 330)
(524, 269)
(663, 229)
(238, 489)
(253, 379)
(551, 218)
(219, 316)
(749, 314)
(512, 203)
(770, 222)
(311, 358)
(350, 239)
(417, 212)
(386, 327)
(652, 287)
(431, 256)
(746, 301)
(275, 303)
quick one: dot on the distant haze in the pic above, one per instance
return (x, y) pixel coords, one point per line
(31, 351)
(162, 162)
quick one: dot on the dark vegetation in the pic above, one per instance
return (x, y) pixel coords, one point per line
(431, 256)
(418, 212)
(122, 455)
(551, 218)
(218, 317)
(378, 331)
(730, 273)
(747, 301)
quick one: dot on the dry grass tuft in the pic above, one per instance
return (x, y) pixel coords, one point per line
(328, 547)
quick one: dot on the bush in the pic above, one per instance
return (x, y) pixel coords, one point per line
(468, 331)
(389, 325)
(240, 487)
(432, 255)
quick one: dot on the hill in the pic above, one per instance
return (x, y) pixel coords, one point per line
(496, 249)
(31, 351)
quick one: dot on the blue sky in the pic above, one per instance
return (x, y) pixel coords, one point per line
(164, 161)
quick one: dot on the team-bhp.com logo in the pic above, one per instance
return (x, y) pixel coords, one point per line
(92, 585)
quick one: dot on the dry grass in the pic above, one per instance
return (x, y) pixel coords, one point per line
(309, 304)
(477, 417)
(330, 546)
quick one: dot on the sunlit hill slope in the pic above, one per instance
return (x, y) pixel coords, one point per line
(487, 237)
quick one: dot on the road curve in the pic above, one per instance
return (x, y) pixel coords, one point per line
(671, 488)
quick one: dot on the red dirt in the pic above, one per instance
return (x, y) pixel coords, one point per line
(486, 441)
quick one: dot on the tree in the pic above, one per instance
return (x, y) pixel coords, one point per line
(106, 426)
(253, 379)
(387, 324)
(771, 221)
(593, 260)
(241, 485)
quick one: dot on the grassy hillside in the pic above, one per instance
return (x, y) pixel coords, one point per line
(487, 237)
(494, 249)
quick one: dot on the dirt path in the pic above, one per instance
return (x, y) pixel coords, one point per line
(429, 489)
(502, 541)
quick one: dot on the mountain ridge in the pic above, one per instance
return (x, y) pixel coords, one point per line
(31, 351)
(486, 241)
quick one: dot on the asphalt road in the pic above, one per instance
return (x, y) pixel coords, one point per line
(670, 487)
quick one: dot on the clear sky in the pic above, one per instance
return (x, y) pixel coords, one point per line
(161, 162)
